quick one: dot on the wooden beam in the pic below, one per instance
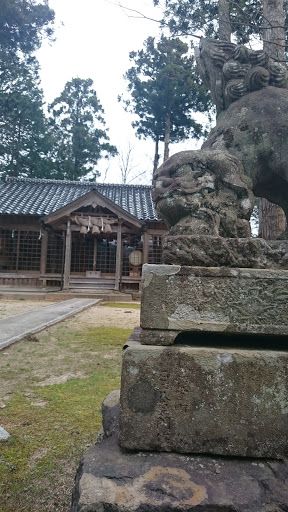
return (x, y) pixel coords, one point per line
(118, 256)
(125, 230)
(43, 259)
(18, 251)
(23, 222)
(146, 247)
(157, 232)
(19, 227)
(68, 251)
(95, 254)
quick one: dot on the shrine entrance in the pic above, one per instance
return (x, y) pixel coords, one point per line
(99, 240)
(93, 254)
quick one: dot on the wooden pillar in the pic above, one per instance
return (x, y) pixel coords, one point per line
(18, 248)
(118, 272)
(68, 249)
(146, 239)
(43, 259)
(95, 254)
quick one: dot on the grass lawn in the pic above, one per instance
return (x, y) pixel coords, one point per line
(52, 387)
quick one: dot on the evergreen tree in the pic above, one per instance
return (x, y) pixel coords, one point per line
(23, 128)
(79, 142)
(164, 93)
(201, 18)
(23, 25)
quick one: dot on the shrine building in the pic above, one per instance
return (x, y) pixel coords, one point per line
(65, 235)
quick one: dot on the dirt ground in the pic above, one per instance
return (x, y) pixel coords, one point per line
(13, 307)
(97, 316)
(104, 316)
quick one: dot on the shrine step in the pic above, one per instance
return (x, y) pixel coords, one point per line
(92, 286)
(92, 283)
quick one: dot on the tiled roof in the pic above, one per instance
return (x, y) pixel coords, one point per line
(28, 196)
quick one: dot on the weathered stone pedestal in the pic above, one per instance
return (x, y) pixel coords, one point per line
(220, 385)
(203, 421)
(205, 400)
(111, 479)
(225, 300)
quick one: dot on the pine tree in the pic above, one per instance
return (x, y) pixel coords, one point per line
(200, 18)
(77, 128)
(24, 24)
(23, 127)
(165, 91)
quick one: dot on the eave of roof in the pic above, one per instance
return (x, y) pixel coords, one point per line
(26, 196)
(93, 196)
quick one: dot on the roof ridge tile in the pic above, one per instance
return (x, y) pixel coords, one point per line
(19, 179)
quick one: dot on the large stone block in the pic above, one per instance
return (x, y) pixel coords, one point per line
(111, 480)
(230, 300)
(216, 251)
(229, 402)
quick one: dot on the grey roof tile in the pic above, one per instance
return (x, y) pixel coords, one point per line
(42, 197)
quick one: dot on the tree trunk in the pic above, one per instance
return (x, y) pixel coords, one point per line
(273, 30)
(167, 136)
(156, 155)
(272, 221)
(224, 20)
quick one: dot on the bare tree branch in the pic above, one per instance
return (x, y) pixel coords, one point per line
(105, 174)
(141, 15)
(127, 166)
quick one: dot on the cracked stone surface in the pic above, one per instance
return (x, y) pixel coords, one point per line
(113, 480)
(236, 300)
(206, 400)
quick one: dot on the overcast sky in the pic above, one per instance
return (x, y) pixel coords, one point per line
(93, 40)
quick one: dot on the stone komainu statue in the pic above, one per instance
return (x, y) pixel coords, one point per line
(231, 71)
(210, 192)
